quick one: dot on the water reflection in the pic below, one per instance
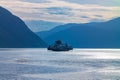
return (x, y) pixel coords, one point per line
(40, 64)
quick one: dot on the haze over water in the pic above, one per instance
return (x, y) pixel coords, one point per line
(41, 64)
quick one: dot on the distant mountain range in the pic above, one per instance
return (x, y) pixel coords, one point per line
(39, 25)
(15, 34)
(89, 35)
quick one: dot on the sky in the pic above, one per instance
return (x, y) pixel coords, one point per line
(64, 11)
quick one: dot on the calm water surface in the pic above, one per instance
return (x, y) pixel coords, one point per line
(41, 64)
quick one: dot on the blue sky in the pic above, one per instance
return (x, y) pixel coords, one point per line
(97, 2)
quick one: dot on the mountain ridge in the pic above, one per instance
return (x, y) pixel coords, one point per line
(15, 34)
(89, 35)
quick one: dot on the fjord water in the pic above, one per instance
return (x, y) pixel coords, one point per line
(41, 64)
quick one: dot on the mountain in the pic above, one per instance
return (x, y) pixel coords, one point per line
(89, 35)
(15, 34)
(39, 25)
(44, 34)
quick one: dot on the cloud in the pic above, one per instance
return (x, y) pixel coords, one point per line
(84, 17)
(36, 1)
(98, 15)
(60, 11)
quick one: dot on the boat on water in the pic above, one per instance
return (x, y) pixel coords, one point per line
(59, 46)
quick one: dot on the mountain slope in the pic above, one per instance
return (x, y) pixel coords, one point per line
(44, 34)
(90, 35)
(15, 34)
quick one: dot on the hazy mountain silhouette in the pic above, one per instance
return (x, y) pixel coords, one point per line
(89, 35)
(44, 34)
(40, 25)
(15, 34)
